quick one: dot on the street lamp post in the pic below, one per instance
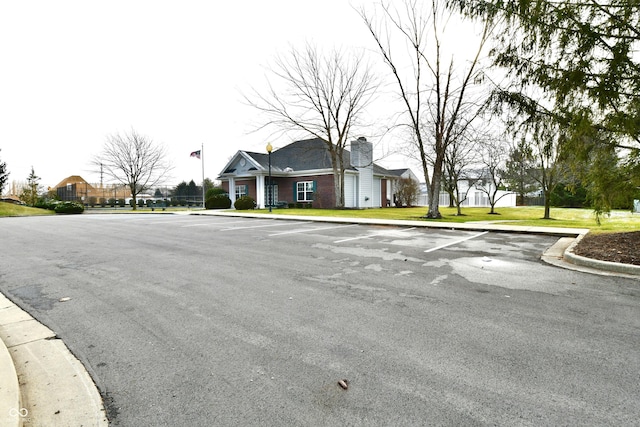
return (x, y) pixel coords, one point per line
(269, 187)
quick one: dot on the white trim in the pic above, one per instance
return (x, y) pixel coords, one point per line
(260, 193)
(236, 158)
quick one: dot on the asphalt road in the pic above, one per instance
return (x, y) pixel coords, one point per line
(202, 321)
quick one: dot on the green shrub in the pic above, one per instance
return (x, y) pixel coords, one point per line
(69, 208)
(215, 191)
(121, 202)
(112, 202)
(150, 203)
(140, 203)
(48, 204)
(92, 201)
(218, 201)
(245, 203)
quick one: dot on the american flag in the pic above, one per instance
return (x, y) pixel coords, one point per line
(195, 154)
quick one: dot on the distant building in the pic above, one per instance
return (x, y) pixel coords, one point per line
(75, 188)
(302, 173)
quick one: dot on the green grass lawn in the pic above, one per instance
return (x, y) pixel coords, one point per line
(529, 216)
(11, 209)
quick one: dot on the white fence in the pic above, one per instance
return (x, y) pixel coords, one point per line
(475, 199)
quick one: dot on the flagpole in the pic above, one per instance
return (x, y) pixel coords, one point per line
(202, 158)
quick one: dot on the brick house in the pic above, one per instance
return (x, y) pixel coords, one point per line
(302, 173)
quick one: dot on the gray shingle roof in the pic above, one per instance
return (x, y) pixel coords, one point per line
(307, 154)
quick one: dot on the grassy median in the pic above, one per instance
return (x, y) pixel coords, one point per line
(526, 215)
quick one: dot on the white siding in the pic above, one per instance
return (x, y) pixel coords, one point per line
(365, 195)
(350, 191)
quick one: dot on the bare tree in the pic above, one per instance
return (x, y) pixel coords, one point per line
(319, 94)
(494, 155)
(546, 140)
(459, 156)
(436, 90)
(134, 160)
(407, 192)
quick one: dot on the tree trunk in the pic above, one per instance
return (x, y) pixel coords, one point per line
(134, 202)
(336, 189)
(547, 205)
(434, 190)
(338, 176)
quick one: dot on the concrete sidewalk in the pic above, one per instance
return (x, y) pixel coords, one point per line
(43, 384)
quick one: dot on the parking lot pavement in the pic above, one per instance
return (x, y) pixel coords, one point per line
(233, 320)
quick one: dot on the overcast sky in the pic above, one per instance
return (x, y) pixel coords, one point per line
(73, 72)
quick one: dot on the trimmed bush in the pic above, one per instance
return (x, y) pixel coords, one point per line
(69, 208)
(121, 202)
(47, 204)
(245, 203)
(215, 191)
(140, 203)
(218, 201)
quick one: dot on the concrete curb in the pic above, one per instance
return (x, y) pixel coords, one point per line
(603, 266)
(9, 388)
(480, 226)
(52, 386)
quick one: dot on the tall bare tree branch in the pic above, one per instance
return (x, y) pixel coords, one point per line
(134, 160)
(323, 95)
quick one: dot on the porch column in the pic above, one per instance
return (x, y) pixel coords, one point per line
(260, 193)
(232, 190)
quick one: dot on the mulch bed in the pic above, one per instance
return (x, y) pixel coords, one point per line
(614, 247)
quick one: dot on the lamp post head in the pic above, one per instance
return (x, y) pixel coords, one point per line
(269, 147)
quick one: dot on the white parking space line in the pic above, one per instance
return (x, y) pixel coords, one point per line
(261, 226)
(221, 223)
(456, 242)
(371, 235)
(175, 221)
(308, 230)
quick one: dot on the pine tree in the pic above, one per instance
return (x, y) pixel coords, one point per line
(4, 176)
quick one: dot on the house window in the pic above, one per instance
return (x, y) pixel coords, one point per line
(242, 190)
(304, 191)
